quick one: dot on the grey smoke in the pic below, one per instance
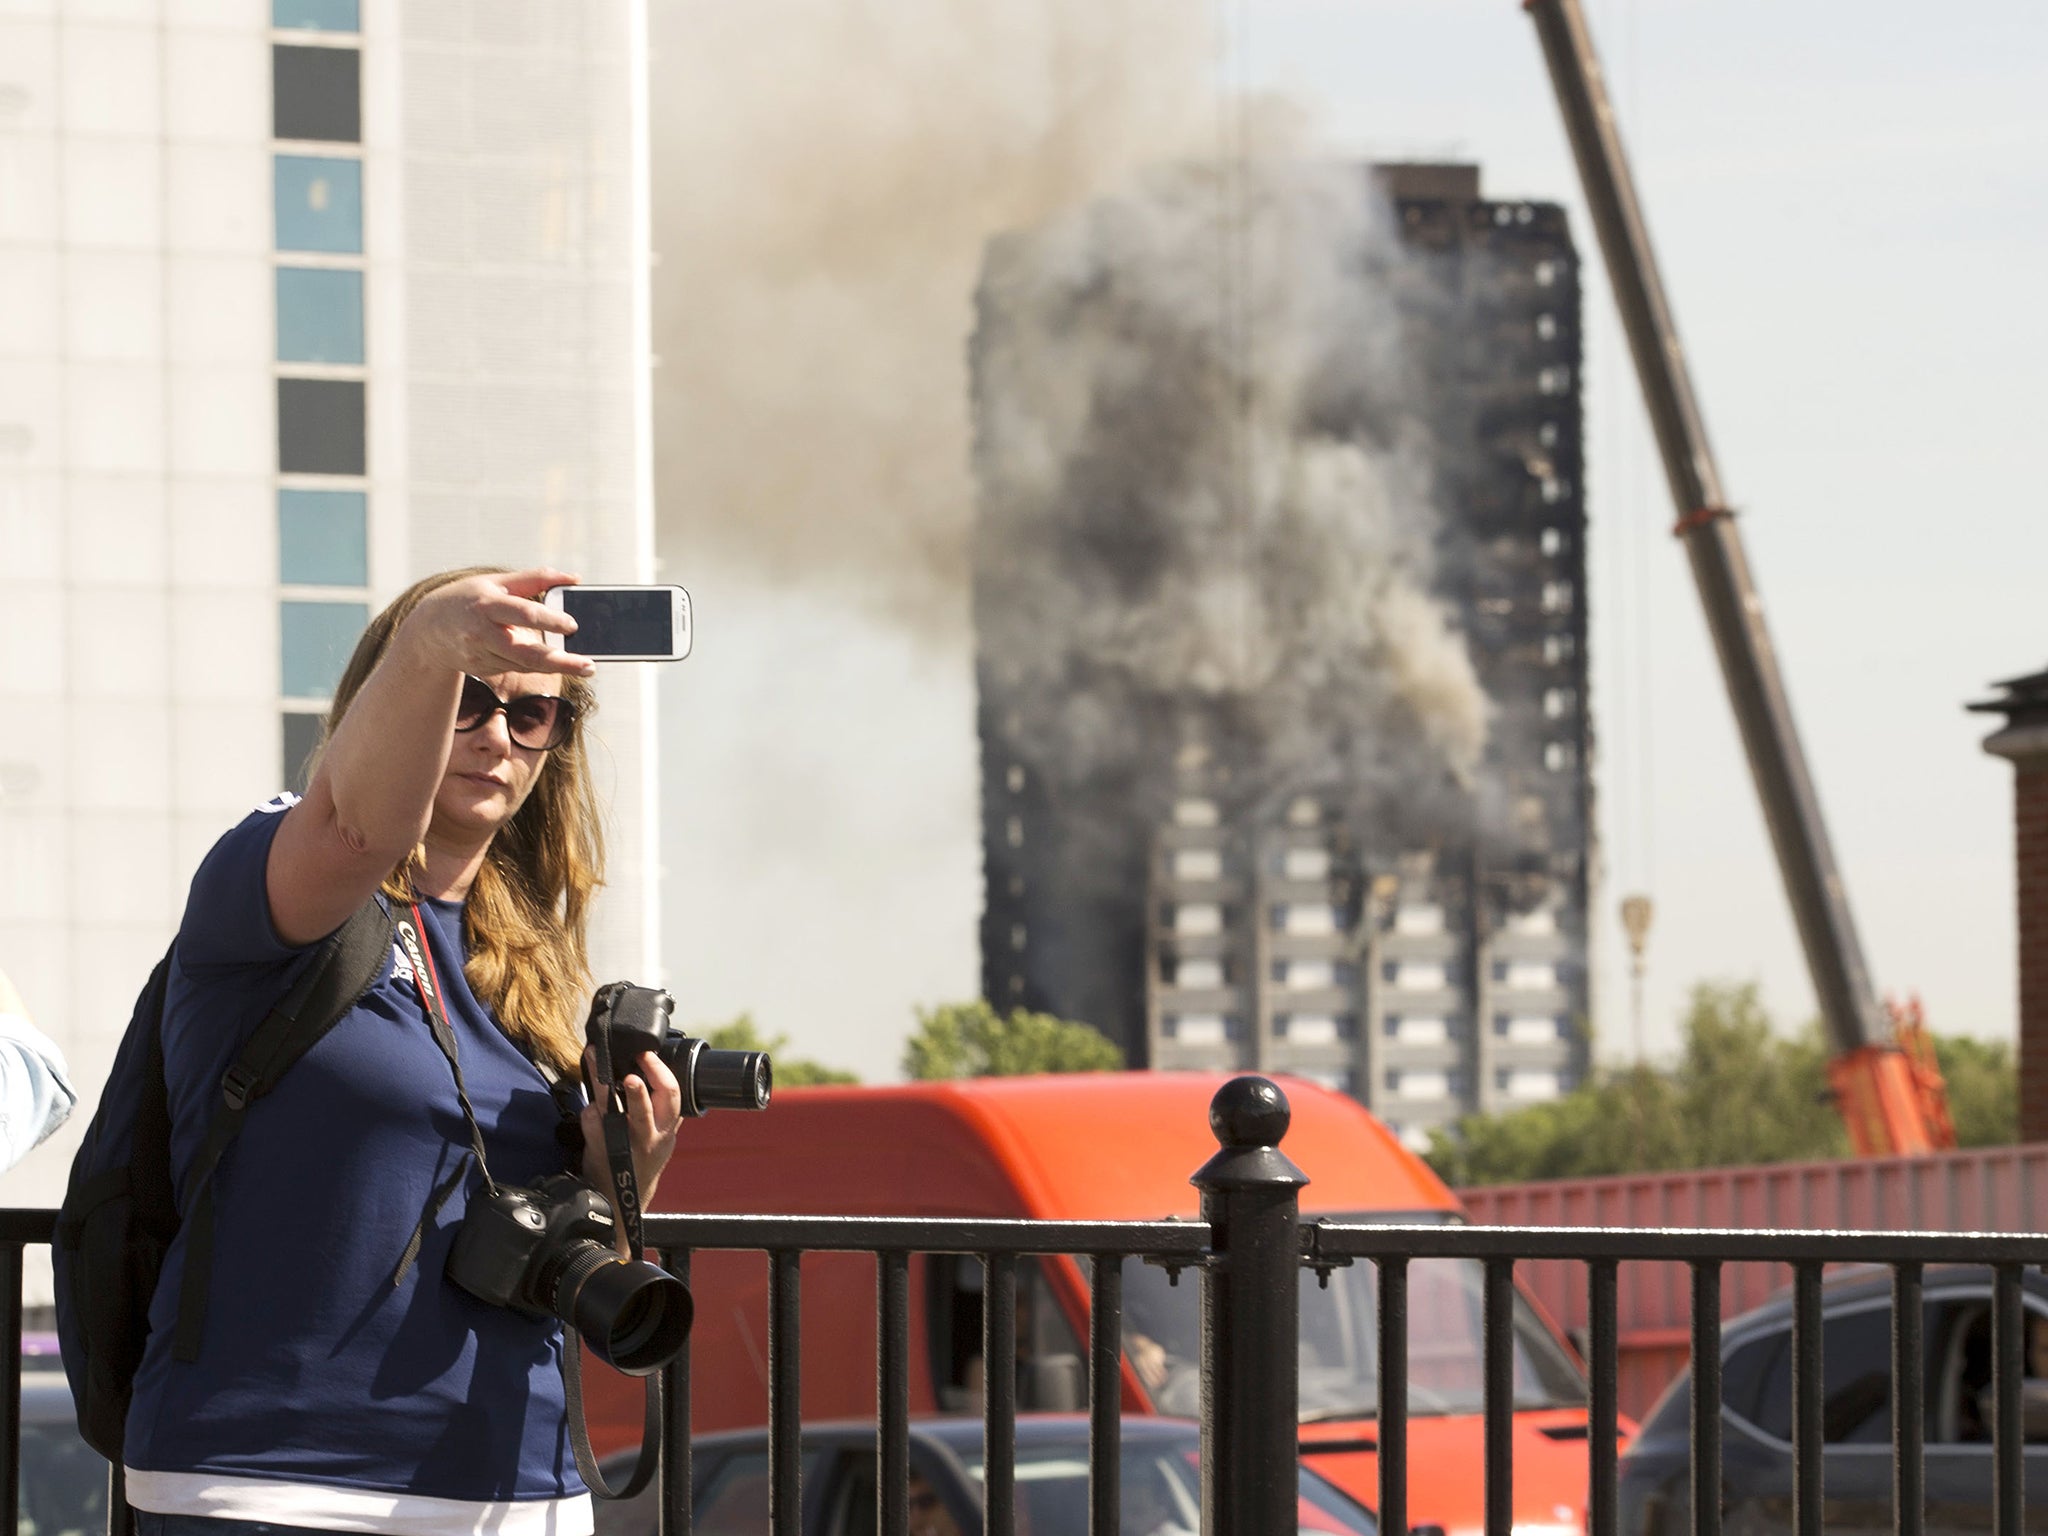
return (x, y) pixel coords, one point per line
(1206, 476)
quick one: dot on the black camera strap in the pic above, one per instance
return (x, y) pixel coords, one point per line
(579, 1432)
(618, 1149)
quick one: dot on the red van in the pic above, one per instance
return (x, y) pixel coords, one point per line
(1087, 1147)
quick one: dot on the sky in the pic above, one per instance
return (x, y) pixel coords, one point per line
(1850, 207)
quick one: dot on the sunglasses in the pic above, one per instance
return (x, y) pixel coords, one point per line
(536, 721)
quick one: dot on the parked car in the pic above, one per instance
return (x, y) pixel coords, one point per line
(1756, 1413)
(63, 1480)
(1160, 1475)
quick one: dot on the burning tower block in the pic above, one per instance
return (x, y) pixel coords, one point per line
(1281, 639)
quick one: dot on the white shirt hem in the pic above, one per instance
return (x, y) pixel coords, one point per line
(322, 1506)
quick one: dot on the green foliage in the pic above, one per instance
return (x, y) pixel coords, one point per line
(973, 1040)
(1739, 1094)
(1983, 1090)
(742, 1034)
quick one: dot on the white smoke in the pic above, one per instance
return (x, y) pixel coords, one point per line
(828, 173)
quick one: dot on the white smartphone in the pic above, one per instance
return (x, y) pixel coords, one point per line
(625, 623)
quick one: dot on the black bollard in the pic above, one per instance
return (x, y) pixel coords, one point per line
(1251, 1304)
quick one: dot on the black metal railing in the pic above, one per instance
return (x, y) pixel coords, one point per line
(19, 1231)
(1249, 1250)
(1704, 1251)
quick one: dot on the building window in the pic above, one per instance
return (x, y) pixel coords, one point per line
(1418, 1031)
(1418, 917)
(1529, 1030)
(1305, 863)
(1307, 975)
(1310, 919)
(323, 538)
(1199, 1028)
(319, 202)
(1335, 1081)
(1315, 1028)
(301, 735)
(1527, 975)
(1419, 1083)
(1415, 975)
(316, 93)
(314, 644)
(320, 426)
(1198, 974)
(319, 315)
(316, 15)
(1198, 864)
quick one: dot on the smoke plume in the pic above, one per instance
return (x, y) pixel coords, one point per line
(1207, 477)
(827, 176)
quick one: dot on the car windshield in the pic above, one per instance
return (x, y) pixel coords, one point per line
(1160, 1491)
(1340, 1342)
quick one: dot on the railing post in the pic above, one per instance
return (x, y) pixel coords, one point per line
(1251, 1301)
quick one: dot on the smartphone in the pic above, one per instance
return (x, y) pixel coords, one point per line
(625, 623)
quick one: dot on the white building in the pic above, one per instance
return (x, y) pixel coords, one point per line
(299, 300)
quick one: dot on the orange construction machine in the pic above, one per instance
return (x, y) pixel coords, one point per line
(1884, 1078)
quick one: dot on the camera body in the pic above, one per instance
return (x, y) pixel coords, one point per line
(627, 1021)
(547, 1252)
(515, 1245)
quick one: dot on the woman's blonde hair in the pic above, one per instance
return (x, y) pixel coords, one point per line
(527, 919)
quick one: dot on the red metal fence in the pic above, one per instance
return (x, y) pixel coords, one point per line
(1986, 1189)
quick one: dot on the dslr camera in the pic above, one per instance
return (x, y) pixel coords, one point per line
(551, 1250)
(628, 1021)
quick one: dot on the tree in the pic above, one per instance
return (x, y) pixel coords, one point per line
(1739, 1093)
(1983, 1090)
(973, 1040)
(790, 1071)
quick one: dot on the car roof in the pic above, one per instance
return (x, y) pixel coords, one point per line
(1080, 1146)
(1870, 1282)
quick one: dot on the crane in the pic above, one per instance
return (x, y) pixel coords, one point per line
(1881, 1070)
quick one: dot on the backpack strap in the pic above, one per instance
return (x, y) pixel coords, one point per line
(348, 960)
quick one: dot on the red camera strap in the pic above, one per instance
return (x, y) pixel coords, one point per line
(412, 936)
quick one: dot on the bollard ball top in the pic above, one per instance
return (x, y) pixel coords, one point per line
(1249, 1112)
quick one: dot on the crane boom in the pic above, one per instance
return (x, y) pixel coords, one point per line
(1872, 1083)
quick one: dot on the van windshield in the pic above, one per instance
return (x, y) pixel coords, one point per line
(1340, 1342)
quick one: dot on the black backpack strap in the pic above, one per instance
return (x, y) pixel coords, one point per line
(348, 960)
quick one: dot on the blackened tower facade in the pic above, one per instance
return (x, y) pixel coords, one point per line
(1212, 921)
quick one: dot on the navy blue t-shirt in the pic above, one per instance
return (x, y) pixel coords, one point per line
(313, 1367)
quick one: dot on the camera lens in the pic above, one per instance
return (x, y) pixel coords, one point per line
(634, 1315)
(730, 1080)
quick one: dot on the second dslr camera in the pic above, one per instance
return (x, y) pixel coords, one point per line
(627, 1021)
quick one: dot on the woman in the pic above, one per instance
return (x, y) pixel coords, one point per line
(338, 1385)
